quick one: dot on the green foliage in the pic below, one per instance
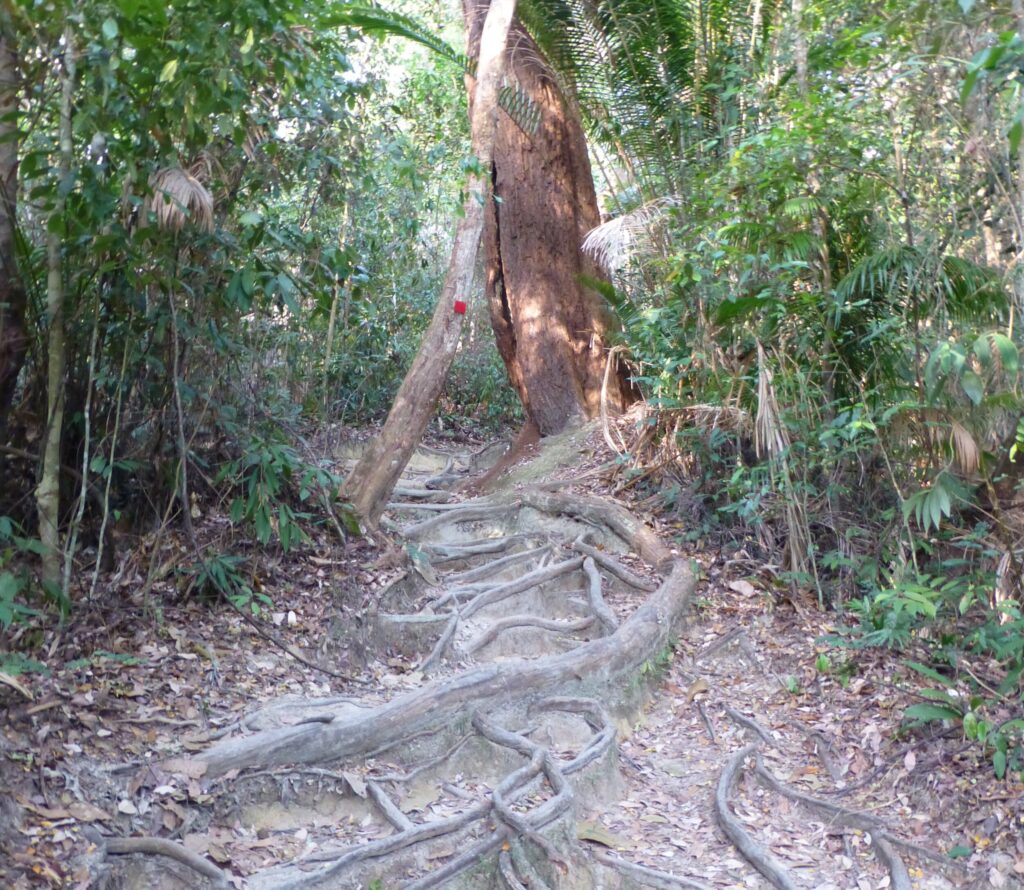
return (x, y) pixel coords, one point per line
(332, 169)
(221, 574)
(268, 474)
(14, 663)
(14, 579)
(101, 655)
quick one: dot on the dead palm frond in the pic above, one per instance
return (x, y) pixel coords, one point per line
(179, 196)
(1008, 586)
(614, 243)
(770, 436)
(965, 449)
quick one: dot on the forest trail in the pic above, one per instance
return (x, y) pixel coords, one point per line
(548, 696)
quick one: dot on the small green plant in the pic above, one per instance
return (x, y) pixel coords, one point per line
(13, 583)
(270, 474)
(657, 666)
(221, 575)
(792, 685)
(101, 655)
(14, 663)
(822, 664)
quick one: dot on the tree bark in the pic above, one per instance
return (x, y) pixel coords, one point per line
(374, 477)
(551, 330)
(48, 489)
(13, 335)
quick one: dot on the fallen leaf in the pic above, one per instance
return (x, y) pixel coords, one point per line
(84, 811)
(185, 766)
(8, 680)
(698, 686)
(742, 587)
(53, 813)
(356, 783)
(589, 830)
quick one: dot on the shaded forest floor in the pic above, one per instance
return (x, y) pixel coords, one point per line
(141, 677)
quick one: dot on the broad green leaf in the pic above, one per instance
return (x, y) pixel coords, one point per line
(168, 71)
(1014, 134)
(931, 673)
(1009, 357)
(972, 386)
(999, 763)
(983, 350)
(959, 852)
(109, 29)
(966, 6)
(926, 711)
(250, 40)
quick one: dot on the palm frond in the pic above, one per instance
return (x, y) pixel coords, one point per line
(923, 283)
(178, 197)
(376, 20)
(622, 239)
(648, 74)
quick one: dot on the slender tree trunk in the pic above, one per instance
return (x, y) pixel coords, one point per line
(13, 336)
(819, 219)
(374, 477)
(48, 489)
(551, 329)
(339, 291)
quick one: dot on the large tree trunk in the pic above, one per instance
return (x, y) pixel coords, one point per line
(374, 477)
(551, 329)
(13, 339)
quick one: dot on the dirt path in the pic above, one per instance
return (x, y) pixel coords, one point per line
(549, 697)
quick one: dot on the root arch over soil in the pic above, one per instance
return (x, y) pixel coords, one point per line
(534, 650)
(521, 636)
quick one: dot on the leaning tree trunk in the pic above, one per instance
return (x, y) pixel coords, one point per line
(13, 339)
(551, 329)
(374, 477)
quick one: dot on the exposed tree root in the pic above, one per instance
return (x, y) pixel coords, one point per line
(158, 846)
(606, 513)
(445, 553)
(464, 513)
(425, 493)
(529, 804)
(614, 567)
(494, 630)
(520, 585)
(512, 824)
(882, 840)
(601, 664)
(648, 877)
(597, 604)
(751, 850)
(752, 725)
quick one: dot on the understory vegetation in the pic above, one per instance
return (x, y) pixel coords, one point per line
(230, 238)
